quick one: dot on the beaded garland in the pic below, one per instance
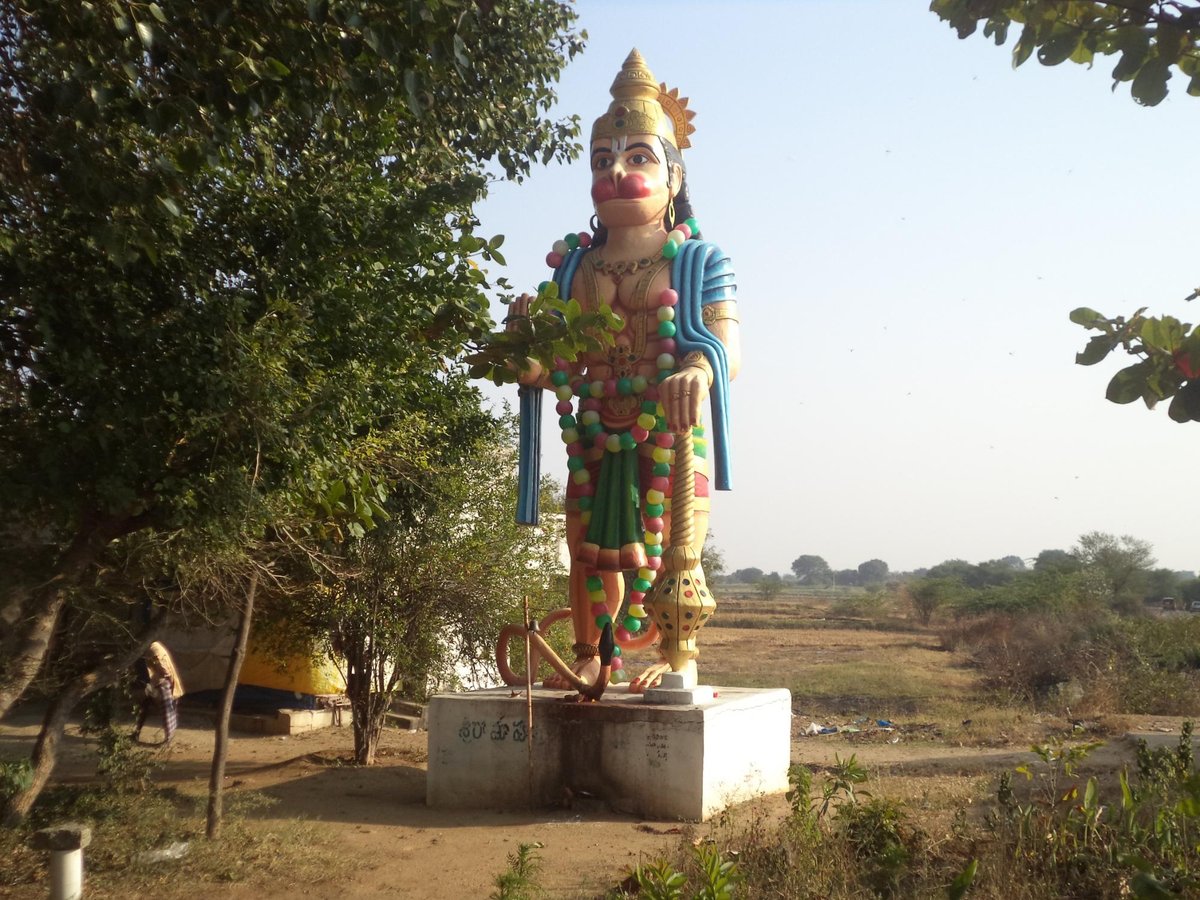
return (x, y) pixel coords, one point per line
(584, 426)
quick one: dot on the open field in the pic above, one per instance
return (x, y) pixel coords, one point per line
(368, 833)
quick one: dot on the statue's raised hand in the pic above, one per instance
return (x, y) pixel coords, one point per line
(517, 310)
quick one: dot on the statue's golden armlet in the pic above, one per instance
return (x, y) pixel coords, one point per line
(716, 312)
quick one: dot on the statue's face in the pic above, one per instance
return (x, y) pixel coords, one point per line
(630, 183)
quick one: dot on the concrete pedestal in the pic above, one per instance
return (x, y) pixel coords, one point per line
(658, 760)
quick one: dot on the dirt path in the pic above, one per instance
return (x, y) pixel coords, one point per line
(378, 818)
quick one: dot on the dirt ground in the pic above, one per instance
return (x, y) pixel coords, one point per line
(378, 817)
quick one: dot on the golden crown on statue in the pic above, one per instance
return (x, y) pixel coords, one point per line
(643, 106)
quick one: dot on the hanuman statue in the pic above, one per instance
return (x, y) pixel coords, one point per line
(628, 412)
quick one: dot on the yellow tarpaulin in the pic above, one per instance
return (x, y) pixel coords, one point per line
(299, 674)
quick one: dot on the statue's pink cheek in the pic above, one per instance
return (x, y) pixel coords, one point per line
(633, 187)
(603, 189)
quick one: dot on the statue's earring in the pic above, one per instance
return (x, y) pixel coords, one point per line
(670, 203)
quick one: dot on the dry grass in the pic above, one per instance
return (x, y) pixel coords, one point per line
(835, 670)
(248, 852)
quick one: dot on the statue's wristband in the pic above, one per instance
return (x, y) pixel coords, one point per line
(696, 360)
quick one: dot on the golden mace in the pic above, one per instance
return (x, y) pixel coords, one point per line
(680, 602)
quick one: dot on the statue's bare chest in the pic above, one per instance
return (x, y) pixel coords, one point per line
(634, 297)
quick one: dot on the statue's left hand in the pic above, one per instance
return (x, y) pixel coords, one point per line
(682, 395)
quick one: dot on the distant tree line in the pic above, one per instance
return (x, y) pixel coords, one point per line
(813, 571)
(1120, 569)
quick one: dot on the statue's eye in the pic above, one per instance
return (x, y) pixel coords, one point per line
(600, 163)
(640, 159)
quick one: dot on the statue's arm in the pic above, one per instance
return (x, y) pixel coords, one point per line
(685, 392)
(726, 329)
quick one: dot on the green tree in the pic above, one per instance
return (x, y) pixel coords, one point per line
(955, 570)
(1190, 593)
(873, 571)
(424, 594)
(927, 595)
(992, 572)
(812, 570)
(847, 578)
(1056, 561)
(1159, 583)
(1152, 38)
(769, 586)
(746, 576)
(1120, 563)
(227, 243)
(712, 559)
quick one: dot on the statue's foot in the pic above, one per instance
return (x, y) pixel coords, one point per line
(653, 675)
(587, 668)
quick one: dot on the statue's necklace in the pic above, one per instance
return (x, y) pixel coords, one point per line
(574, 240)
(618, 269)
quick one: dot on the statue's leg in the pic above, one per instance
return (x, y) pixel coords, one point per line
(653, 673)
(587, 633)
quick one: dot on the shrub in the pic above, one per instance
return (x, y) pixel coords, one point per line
(1067, 836)
(882, 841)
(1085, 658)
(1026, 657)
(1087, 845)
(15, 776)
(716, 876)
(519, 880)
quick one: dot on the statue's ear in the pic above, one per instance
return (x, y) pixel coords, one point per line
(676, 178)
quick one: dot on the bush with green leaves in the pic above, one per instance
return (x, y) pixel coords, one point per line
(15, 776)
(519, 880)
(1057, 834)
(1091, 844)
(715, 878)
(882, 841)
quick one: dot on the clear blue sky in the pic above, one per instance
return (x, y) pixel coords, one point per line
(911, 221)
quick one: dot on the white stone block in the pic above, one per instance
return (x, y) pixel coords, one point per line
(300, 721)
(685, 761)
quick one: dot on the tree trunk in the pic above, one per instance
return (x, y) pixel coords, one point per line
(358, 688)
(366, 735)
(367, 705)
(45, 751)
(42, 606)
(221, 746)
(46, 607)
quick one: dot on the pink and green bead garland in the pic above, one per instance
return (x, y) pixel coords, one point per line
(586, 428)
(675, 238)
(559, 251)
(650, 424)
